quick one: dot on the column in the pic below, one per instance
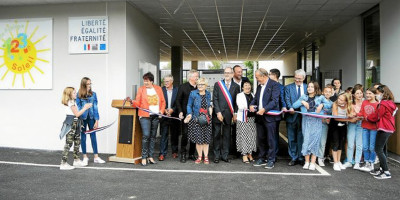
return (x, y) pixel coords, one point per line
(177, 64)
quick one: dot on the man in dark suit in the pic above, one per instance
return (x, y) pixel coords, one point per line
(181, 103)
(274, 74)
(169, 125)
(293, 120)
(238, 79)
(224, 102)
(266, 99)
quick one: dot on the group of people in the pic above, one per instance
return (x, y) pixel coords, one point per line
(234, 120)
(81, 113)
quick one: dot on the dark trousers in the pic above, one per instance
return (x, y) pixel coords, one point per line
(169, 126)
(295, 138)
(233, 147)
(381, 141)
(225, 134)
(184, 141)
(277, 137)
(266, 139)
(339, 134)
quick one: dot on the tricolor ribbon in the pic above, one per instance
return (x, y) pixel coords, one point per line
(311, 114)
(147, 110)
(98, 129)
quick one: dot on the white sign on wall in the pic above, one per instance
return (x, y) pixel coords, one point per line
(26, 53)
(88, 35)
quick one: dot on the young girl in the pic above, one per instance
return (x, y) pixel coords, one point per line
(384, 118)
(368, 107)
(325, 122)
(341, 107)
(311, 126)
(73, 135)
(90, 118)
(354, 130)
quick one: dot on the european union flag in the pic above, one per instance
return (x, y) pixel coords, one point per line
(102, 46)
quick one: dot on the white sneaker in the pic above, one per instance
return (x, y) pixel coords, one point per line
(312, 167)
(336, 167)
(79, 163)
(66, 166)
(85, 161)
(321, 162)
(306, 165)
(99, 160)
(371, 167)
(357, 166)
(341, 166)
(366, 168)
(376, 160)
(347, 164)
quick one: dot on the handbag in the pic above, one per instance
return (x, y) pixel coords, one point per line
(203, 118)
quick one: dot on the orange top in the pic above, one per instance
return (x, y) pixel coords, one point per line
(142, 100)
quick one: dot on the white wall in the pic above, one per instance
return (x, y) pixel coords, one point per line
(390, 45)
(142, 43)
(343, 50)
(33, 118)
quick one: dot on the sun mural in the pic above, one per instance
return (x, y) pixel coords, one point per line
(26, 54)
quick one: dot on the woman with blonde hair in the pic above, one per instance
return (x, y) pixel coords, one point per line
(199, 118)
(343, 108)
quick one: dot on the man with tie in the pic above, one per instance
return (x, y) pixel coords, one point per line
(225, 108)
(293, 120)
(266, 99)
(169, 125)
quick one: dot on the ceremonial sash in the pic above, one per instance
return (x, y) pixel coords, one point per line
(226, 94)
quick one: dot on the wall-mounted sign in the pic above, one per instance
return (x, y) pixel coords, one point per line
(26, 53)
(88, 35)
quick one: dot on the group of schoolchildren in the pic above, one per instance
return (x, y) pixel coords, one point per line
(366, 122)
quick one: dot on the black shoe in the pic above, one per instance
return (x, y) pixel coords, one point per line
(216, 160)
(301, 162)
(270, 165)
(259, 162)
(192, 157)
(183, 158)
(226, 160)
(149, 161)
(292, 163)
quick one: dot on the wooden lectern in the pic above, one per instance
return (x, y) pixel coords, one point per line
(129, 139)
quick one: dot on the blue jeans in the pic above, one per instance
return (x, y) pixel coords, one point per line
(324, 136)
(354, 136)
(295, 139)
(369, 137)
(88, 122)
(149, 132)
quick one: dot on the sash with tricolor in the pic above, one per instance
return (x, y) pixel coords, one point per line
(226, 94)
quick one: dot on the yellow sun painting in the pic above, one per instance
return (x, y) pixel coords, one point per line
(26, 54)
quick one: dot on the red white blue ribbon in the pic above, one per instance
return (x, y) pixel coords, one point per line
(226, 94)
(98, 129)
(311, 114)
(147, 110)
